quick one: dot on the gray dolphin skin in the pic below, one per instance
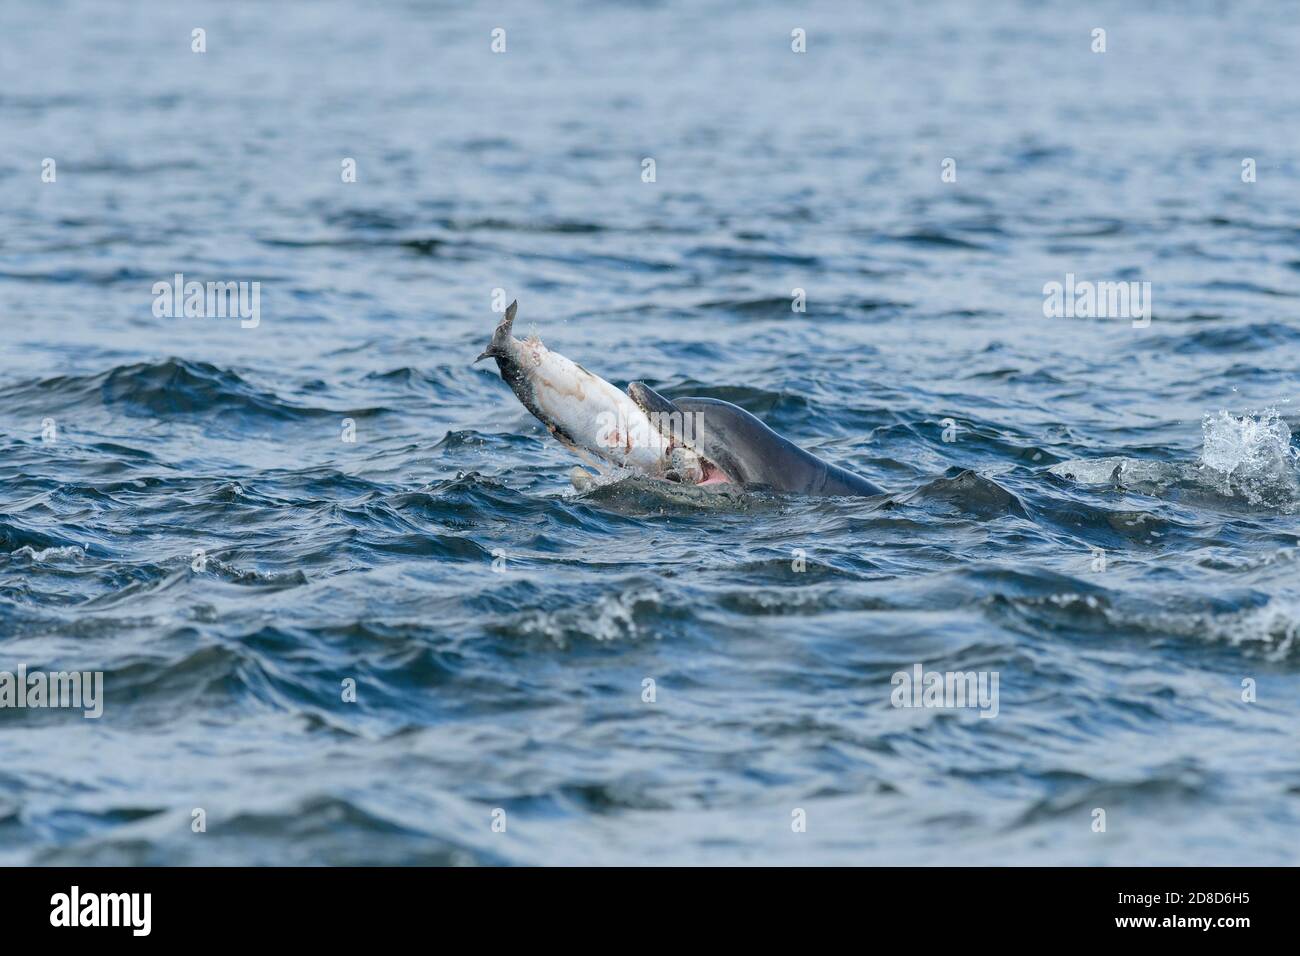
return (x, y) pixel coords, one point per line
(745, 450)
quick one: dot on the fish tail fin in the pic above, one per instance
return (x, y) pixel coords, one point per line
(502, 334)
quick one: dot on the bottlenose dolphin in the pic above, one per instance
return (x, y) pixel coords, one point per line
(699, 441)
(744, 450)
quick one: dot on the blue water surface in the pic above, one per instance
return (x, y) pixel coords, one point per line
(1101, 511)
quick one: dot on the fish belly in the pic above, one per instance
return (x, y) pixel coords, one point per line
(596, 416)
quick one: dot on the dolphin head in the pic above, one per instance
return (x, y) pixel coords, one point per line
(734, 445)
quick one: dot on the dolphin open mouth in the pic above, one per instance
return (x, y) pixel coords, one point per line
(713, 475)
(690, 465)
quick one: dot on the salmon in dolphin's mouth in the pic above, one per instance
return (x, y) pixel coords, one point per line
(588, 415)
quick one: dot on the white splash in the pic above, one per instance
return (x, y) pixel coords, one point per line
(49, 554)
(1254, 447)
(1246, 457)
